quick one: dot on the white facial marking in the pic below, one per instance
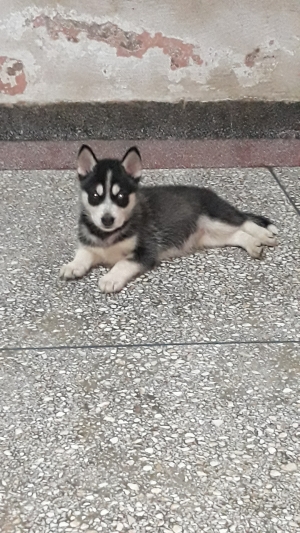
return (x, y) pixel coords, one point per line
(108, 207)
(115, 189)
(99, 189)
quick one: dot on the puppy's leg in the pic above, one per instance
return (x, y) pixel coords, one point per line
(215, 234)
(83, 261)
(120, 274)
(243, 240)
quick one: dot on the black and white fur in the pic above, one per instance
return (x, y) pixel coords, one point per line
(132, 228)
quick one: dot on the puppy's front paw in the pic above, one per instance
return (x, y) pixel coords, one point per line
(110, 283)
(72, 271)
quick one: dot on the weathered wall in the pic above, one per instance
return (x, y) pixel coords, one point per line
(146, 50)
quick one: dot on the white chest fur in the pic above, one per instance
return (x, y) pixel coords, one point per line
(112, 254)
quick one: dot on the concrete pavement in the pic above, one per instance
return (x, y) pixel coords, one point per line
(172, 407)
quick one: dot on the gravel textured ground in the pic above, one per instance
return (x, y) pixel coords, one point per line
(289, 178)
(216, 295)
(172, 407)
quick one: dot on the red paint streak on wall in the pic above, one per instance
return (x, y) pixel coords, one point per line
(12, 76)
(251, 58)
(126, 43)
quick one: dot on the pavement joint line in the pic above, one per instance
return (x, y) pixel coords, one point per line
(272, 171)
(146, 345)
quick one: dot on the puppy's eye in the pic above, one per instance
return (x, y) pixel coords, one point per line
(122, 199)
(94, 198)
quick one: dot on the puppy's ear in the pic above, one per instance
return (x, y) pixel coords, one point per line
(86, 161)
(132, 163)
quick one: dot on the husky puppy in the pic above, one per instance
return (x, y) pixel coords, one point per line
(132, 228)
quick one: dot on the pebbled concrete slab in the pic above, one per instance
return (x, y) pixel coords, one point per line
(171, 439)
(219, 295)
(290, 180)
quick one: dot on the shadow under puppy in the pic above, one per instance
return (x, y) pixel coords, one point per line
(132, 228)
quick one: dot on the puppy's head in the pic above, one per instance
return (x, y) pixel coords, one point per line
(108, 187)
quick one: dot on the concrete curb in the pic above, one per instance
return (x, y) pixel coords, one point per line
(156, 153)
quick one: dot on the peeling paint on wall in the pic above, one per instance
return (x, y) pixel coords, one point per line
(126, 43)
(12, 76)
(126, 51)
(251, 57)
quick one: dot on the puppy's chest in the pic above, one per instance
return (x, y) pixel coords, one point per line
(110, 255)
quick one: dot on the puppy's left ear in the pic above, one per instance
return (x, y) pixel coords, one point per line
(132, 163)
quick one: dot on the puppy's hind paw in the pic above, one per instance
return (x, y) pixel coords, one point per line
(255, 249)
(273, 229)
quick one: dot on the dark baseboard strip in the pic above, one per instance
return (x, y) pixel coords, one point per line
(227, 119)
(58, 155)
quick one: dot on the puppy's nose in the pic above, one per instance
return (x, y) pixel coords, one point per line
(107, 220)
